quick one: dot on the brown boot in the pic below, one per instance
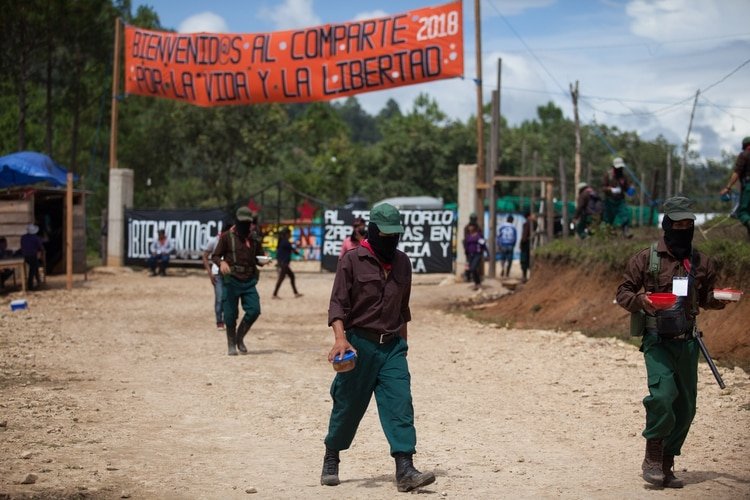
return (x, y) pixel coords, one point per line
(652, 463)
(670, 481)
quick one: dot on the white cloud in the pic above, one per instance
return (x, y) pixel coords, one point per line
(514, 7)
(666, 20)
(205, 21)
(292, 14)
(372, 14)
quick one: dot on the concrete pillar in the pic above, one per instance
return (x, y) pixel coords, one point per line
(120, 198)
(467, 200)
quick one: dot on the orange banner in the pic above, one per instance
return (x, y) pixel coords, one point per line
(311, 64)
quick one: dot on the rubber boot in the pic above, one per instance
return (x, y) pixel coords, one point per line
(407, 477)
(652, 463)
(241, 332)
(231, 340)
(330, 474)
(670, 481)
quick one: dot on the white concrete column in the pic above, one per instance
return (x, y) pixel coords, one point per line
(467, 200)
(120, 198)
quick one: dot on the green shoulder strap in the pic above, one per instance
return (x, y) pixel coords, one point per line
(654, 265)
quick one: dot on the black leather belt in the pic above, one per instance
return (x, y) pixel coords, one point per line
(375, 336)
(682, 336)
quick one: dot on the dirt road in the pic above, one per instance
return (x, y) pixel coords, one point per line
(122, 388)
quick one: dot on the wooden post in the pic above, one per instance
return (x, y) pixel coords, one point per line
(534, 167)
(69, 233)
(563, 196)
(641, 195)
(480, 112)
(577, 173)
(492, 226)
(669, 174)
(550, 211)
(115, 95)
(687, 145)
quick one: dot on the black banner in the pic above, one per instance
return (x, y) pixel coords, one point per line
(428, 239)
(188, 230)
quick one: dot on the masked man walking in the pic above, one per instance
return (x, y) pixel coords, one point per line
(368, 312)
(235, 254)
(669, 348)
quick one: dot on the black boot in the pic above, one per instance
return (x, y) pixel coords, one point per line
(241, 332)
(330, 474)
(407, 477)
(670, 481)
(231, 339)
(652, 463)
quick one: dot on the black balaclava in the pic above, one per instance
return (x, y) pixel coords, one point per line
(242, 227)
(383, 246)
(679, 241)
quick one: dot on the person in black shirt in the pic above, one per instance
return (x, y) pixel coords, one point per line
(284, 253)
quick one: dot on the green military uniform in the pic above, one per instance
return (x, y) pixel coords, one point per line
(742, 169)
(239, 253)
(614, 185)
(669, 350)
(368, 311)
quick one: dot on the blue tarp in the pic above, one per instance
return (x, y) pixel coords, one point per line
(28, 167)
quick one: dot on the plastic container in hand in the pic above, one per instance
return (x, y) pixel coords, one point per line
(727, 294)
(662, 300)
(263, 259)
(346, 362)
(726, 197)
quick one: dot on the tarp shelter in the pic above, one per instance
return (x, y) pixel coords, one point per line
(26, 197)
(28, 167)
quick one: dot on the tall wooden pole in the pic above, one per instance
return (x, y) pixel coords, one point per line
(669, 175)
(687, 144)
(491, 181)
(115, 95)
(69, 233)
(577, 174)
(563, 195)
(480, 111)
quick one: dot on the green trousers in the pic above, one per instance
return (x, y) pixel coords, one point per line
(672, 368)
(616, 213)
(583, 223)
(240, 291)
(381, 369)
(743, 211)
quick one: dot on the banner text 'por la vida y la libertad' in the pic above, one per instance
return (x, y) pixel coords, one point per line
(296, 66)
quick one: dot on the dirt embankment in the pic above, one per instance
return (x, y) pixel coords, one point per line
(569, 298)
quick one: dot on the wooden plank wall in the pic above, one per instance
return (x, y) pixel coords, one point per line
(15, 215)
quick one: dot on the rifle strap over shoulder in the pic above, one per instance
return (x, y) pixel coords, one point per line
(654, 265)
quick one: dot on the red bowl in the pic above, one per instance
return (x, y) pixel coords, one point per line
(662, 300)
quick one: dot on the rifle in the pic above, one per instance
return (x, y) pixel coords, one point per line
(697, 335)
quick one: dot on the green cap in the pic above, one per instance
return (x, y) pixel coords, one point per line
(244, 214)
(678, 208)
(387, 218)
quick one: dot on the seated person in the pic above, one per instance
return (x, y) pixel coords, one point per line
(5, 273)
(160, 250)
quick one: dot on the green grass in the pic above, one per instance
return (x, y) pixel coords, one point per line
(724, 240)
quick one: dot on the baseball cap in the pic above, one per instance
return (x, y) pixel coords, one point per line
(580, 186)
(245, 214)
(618, 163)
(387, 218)
(678, 208)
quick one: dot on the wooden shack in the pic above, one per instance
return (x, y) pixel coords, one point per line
(45, 207)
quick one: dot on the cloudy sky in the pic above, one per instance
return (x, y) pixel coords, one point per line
(639, 63)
